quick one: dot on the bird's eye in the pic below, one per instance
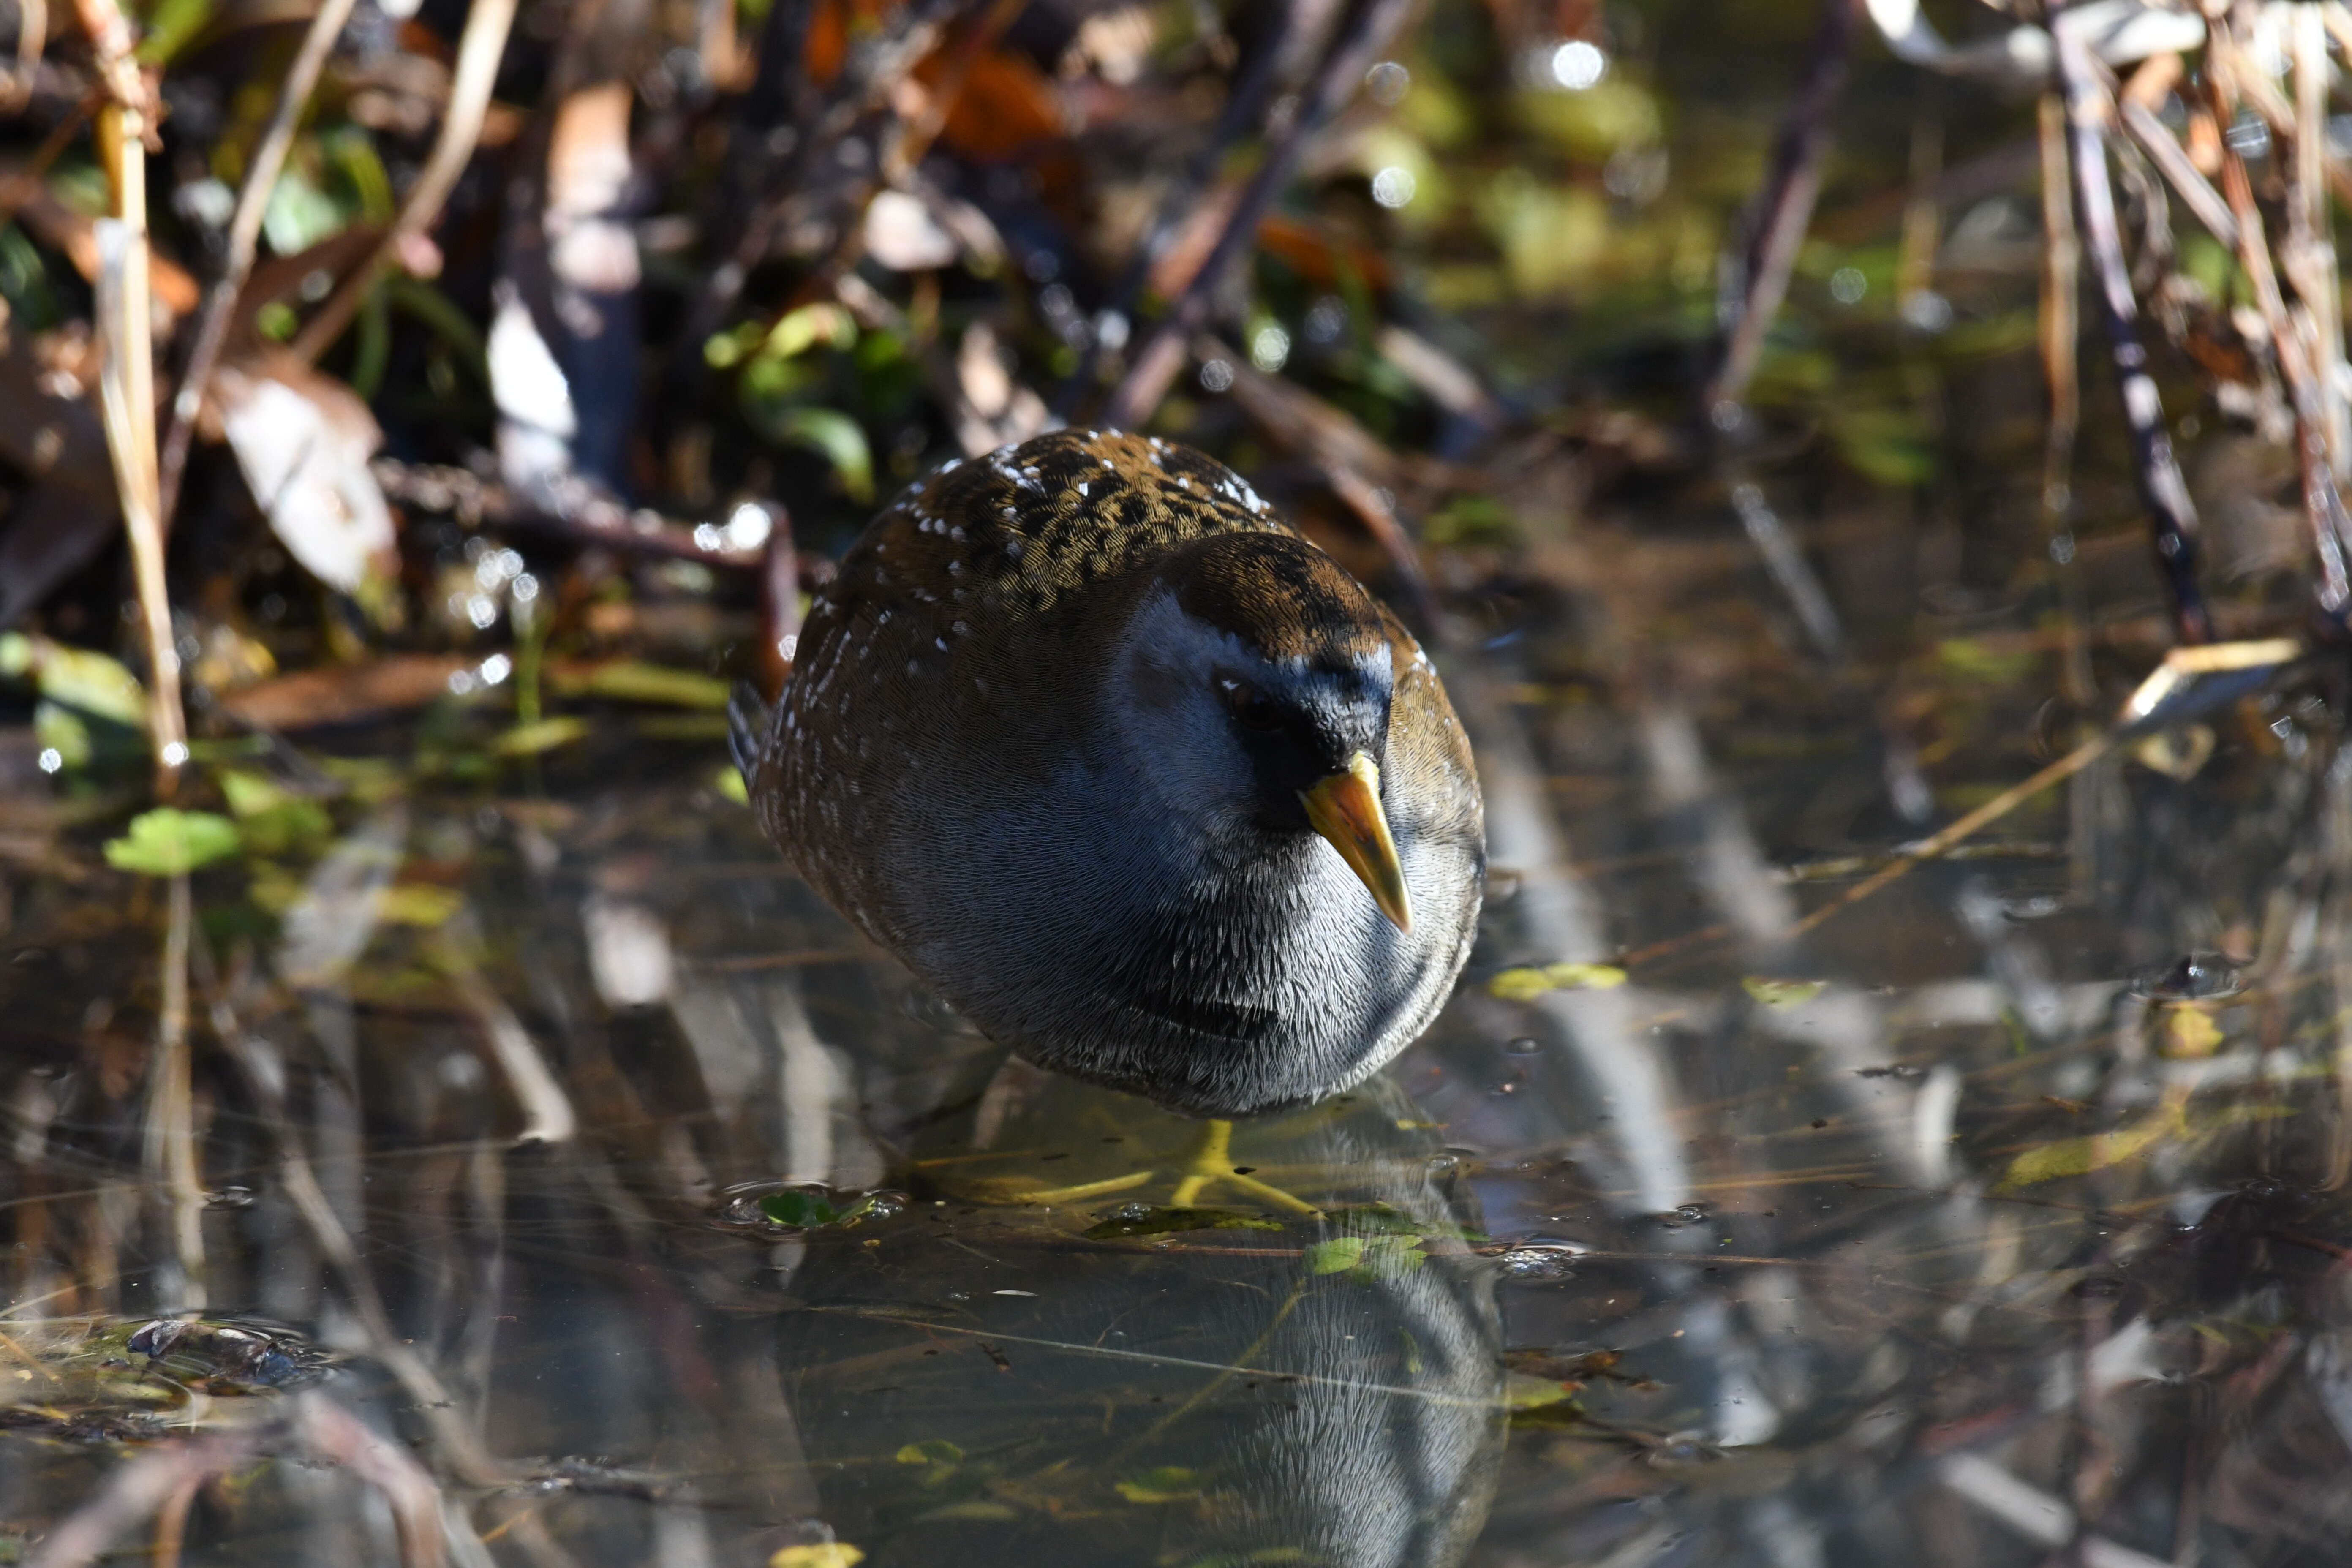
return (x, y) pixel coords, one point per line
(1249, 706)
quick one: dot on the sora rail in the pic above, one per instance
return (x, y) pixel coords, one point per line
(1144, 783)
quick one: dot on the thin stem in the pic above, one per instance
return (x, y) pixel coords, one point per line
(244, 239)
(127, 369)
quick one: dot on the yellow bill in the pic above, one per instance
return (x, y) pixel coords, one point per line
(1346, 810)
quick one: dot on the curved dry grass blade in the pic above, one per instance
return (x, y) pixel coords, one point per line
(479, 49)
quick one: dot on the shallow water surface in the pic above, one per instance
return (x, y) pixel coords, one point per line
(538, 1165)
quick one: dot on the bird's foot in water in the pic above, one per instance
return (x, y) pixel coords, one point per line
(1192, 1171)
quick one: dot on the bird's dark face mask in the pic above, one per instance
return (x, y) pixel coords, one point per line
(1287, 743)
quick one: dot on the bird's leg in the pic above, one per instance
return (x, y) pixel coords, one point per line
(1207, 1163)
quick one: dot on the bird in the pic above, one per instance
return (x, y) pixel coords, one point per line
(1138, 780)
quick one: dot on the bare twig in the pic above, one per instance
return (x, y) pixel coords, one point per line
(1756, 280)
(2196, 191)
(2309, 256)
(244, 236)
(2172, 515)
(1245, 105)
(2323, 501)
(479, 49)
(568, 508)
(1156, 363)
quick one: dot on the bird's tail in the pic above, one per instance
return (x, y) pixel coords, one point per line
(747, 719)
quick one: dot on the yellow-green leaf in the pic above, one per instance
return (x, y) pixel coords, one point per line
(930, 1451)
(826, 1554)
(546, 736)
(2081, 1156)
(2190, 1031)
(1782, 993)
(1526, 984)
(75, 677)
(425, 904)
(634, 680)
(169, 842)
(1162, 1483)
(729, 782)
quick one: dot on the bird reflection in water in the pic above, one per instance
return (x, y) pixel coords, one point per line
(1127, 1381)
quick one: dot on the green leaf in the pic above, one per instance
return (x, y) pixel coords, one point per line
(930, 1451)
(804, 1209)
(804, 328)
(1145, 1219)
(75, 677)
(728, 782)
(170, 28)
(56, 728)
(273, 819)
(1335, 1256)
(1161, 1483)
(837, 436)
(169, 842)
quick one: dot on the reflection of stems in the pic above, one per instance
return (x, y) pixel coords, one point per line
(135, 1491)
(171, 1109)
(459, 1449)
(1776, 224)
(2060, 347)
(479, 50)
(244, 237)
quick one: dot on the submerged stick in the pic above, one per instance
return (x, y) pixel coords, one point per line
(244, 239)
(2172, 515)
